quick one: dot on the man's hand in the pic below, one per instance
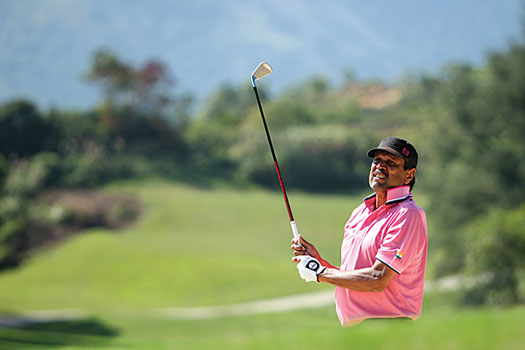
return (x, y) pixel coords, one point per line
(309, 268)
(305, 248)
(308, 249)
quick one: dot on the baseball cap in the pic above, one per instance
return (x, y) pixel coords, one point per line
(399, 148)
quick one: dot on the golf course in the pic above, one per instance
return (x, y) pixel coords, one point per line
(209, 246)
(158, 158)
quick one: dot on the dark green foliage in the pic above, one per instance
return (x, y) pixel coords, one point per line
(4, 170)
(495, 246)
(326, 158)
(23, 131)
(476, 150)
(209, 147)
(289, 112)
(229, 104)
(125, 131)
(76, 132)
(24, 182)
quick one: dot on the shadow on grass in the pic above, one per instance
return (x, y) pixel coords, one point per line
(28, 333)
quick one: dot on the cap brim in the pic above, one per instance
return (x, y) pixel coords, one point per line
(386, 149)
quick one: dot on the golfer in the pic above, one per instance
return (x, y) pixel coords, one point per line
(384, 249)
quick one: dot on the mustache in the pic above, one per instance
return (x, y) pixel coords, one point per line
(379, 171)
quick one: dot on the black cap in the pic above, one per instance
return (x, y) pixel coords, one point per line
(398, 147)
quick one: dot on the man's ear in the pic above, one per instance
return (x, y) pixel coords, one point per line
(409, 175)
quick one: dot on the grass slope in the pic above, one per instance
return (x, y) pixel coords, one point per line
(192, 247)
(196, 246)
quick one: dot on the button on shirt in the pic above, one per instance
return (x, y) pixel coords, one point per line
(395, 234)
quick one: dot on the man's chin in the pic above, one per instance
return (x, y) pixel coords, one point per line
(377, 186)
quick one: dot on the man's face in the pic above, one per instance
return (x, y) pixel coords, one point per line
(387, 171)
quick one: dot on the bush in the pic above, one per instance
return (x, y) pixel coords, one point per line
(311, 158)
(210, 142)
(28, 176)
(496, 246)
(25, 180)
(96, 168)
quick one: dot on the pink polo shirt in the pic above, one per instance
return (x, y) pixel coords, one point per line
(395, 234)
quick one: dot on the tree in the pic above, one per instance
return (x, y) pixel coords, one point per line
(23, 130)
(115, 76)
(140, 109)
(147, 90)
(476, 148)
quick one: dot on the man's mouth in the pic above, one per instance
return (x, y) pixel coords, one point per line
(379, 175)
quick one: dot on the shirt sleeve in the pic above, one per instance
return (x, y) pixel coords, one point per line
(403, 241)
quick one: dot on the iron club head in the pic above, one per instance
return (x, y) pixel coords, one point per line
(262, 70)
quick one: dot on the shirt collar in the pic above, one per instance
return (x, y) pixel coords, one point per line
(393, 195)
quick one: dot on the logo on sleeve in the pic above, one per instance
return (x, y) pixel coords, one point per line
(399, 254)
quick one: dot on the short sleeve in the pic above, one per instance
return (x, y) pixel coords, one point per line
(404, 240)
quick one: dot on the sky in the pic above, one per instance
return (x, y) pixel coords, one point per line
(47, 45)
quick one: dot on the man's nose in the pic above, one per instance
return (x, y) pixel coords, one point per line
(380, 163)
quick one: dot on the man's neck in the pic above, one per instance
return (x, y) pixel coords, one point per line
(381, 197)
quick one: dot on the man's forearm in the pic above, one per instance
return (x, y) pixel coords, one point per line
(364, 280)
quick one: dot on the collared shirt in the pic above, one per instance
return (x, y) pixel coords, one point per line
(395, 234)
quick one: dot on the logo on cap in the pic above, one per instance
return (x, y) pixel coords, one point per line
(406, 152)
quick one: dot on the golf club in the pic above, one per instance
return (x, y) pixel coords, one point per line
(262, 70)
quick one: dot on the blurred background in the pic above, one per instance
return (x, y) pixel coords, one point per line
(139, 206)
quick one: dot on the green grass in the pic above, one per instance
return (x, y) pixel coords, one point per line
(197, 246)
(473, 329)
(192, 247)
(314, 329)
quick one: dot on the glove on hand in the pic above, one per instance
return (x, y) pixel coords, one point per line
(309, 268)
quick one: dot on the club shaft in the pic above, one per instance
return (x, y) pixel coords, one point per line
(274, 156)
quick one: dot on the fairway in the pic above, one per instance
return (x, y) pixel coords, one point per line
(215, 246)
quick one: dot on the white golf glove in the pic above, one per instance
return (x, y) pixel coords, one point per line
(309, 268)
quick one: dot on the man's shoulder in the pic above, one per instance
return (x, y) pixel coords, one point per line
(411, 204)
(362, 206)
(410, 207)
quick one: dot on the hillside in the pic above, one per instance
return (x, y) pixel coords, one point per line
(207, 43)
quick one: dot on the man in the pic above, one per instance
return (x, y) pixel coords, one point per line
(384, 249)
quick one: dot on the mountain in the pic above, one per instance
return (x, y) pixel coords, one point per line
(46, 45)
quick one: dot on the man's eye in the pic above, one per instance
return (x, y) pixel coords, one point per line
(388, 163)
